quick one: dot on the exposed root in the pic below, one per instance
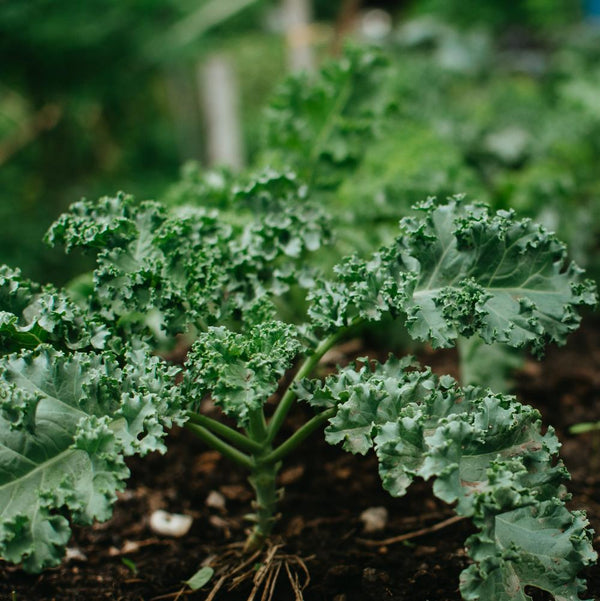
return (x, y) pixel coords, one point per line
(262, 569)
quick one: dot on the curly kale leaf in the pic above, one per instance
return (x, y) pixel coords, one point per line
(543, 546)
(198, 186)
(66, 424)
(156, 272)
(345, 388)
(319, 126)
(240, 370)
(274, 223)
(487, 456)
(282, 225)
(31, 315)
(160, 272)
(458, 270)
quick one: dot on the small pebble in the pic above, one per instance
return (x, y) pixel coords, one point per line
(74, 554)
(170, 524)
(218, 522)
(374, 519)
(215, 500)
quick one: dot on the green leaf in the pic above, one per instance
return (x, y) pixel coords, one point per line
(156, 272)
(318, 126)
(489, 365)
(200, 578)
(282, 226)
(31, 314)
(487, 456)
(458, 271)
(130, 565)
(363, 400)
(542, 546)
(66, 424)
(240, 370)
(161, 272)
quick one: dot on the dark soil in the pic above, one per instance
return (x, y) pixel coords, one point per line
(326, 492)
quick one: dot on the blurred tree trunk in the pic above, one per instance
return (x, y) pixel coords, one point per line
(345, 22)
(297, 15)
(220, 102)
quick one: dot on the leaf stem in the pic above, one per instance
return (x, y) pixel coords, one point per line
(287, 400)
(233, 436)
(257, 427)
(216, 443)
(301, 434)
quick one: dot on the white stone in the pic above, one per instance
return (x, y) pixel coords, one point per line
(215, 500)
(374, 519)
(170, 524)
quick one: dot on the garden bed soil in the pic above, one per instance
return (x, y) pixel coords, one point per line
(326, 492)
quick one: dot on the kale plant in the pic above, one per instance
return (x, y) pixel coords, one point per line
(81, 386)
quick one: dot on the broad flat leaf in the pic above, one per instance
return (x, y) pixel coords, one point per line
(240, 370)
(486, 454)
(459, 270)
(31, 314)
(489, 365)
(66, 424)
(200, 578)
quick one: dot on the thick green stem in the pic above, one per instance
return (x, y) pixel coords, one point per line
(216, 443)
(233, 436)
(264, 461)
(300, 435)
(264, 482)
(290, 395)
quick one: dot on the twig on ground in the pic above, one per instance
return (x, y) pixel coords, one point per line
(215, 589)
(410, 535)
(175, 596)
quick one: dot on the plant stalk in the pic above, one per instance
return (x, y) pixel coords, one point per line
(287, 400)
(233, 436)
(220, 445)
(263, 480)
(297, 437)
(257, 427)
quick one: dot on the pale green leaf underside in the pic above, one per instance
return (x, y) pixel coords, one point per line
(457, 270)
(66, 423)
(530, 546)
(486, 454)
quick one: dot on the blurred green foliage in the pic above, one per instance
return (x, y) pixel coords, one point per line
(499, 15)
(499, 101)
(101, 69)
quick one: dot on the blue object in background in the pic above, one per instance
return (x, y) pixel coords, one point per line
(592, 9)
